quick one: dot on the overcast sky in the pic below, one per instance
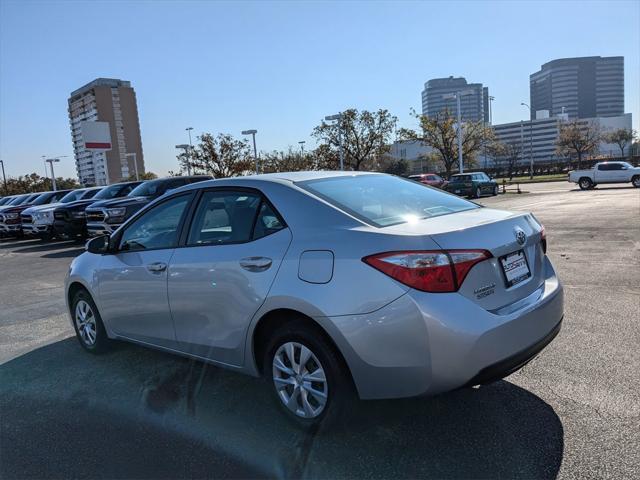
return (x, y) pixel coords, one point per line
(280, 67)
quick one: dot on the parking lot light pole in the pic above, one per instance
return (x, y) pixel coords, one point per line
(51, 161)
(530, 140)
(301, 143)
(338, 118)
(255, 151)
(135, 163)
(188, 129)
(457, 95)
(4, 178)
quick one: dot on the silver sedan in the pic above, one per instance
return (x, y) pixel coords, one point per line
(331, 285)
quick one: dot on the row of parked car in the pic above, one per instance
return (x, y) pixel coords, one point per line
(82, 212)
(471, 184)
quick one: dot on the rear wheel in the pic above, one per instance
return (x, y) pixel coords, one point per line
(306, 375)
(585, 183)
(635, 181)
(88, 324)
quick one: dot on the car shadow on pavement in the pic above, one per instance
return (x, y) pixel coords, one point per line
(65, 253)
(47, 246)
(135, 412)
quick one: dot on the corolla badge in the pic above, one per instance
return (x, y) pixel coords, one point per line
(521, 237)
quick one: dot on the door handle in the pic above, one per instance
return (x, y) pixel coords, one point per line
(157, 267)
(256, 264)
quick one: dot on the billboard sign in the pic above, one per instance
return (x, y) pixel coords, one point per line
(96, 136)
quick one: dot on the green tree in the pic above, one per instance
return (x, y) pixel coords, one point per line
(579, 137)
(621, 137)
(364, 136)
(143, 176)
(33, 182)
(289, 161)
(441, 134)
(222, 156)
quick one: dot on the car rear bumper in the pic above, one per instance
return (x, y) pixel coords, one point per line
(424, 344)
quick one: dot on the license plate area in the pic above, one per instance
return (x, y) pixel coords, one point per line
(515, 268)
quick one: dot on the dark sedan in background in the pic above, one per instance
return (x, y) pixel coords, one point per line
(472, 184)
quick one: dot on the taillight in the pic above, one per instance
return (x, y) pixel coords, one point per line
(434, 271)
(543, 239)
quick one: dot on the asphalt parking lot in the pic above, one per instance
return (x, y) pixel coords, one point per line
(574, 412)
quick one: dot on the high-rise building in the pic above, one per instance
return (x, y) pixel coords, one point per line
(583, 87)
(113, 101)
(474, 106)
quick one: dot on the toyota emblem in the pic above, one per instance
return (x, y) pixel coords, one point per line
(521, 237)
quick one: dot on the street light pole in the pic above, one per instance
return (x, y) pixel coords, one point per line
(457, 95)
(4, 178)
(135, 163)
(255, 150)
(491, 99)
(301, 143)
(188, 129)
(338, 118)
(51, 161)
(530, 140)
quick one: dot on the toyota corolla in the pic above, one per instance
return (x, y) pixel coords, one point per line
(329, 285)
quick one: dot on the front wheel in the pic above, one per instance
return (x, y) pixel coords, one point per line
(585, 183)
(478, 193)
(307, 376)
(88, 324)
(635, 181)
(495, 190)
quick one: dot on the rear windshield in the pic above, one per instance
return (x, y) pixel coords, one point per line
(114, 191)
(147, 189)
(383, 200)
(90, 193)
(72, 196)
(461, 178)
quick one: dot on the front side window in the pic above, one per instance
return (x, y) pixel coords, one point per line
(156, 228)
(383, 200)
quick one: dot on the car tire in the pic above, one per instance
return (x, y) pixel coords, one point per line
(585, 183)
(87, 323)
(477, 193)
(495, 190)
(635, 181)
(290, 385)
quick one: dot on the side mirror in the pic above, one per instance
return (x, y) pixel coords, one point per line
(98, 245)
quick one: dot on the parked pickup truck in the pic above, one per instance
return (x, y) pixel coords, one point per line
(106, 216)
(606, 172)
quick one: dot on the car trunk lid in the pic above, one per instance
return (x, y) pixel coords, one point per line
(513, 239)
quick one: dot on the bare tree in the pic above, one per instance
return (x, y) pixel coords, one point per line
(511, 153)
(579, 137)
(621, 137)
(440, 132)
(364, 136)
(222, 156)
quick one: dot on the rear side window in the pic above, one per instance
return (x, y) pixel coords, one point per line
(383, 200)
(225, 217)
(604, 166)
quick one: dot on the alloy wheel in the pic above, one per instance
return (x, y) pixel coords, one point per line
(85, 323)
(300, 380)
